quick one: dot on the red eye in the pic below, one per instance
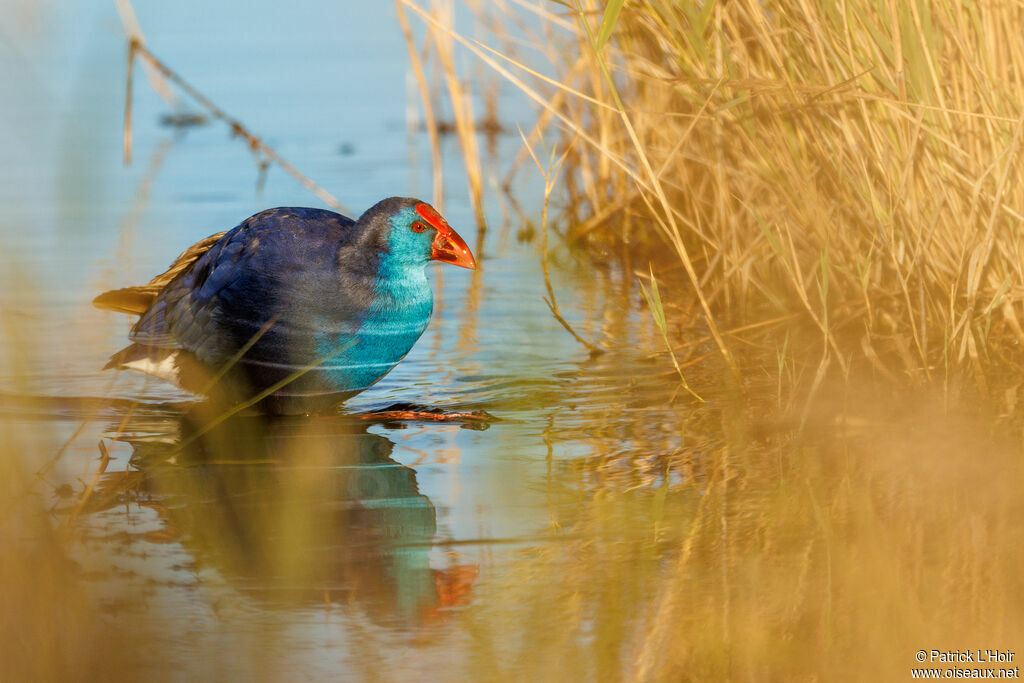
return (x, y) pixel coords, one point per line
(418, 227)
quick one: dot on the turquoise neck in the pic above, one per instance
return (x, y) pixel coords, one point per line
(391, 325)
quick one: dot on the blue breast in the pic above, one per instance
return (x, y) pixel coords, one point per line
(388, 328)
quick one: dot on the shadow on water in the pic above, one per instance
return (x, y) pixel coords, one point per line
(293, 512)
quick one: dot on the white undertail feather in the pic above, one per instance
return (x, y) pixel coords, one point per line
(166, 367)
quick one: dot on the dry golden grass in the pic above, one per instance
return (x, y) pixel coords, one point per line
(855, 162)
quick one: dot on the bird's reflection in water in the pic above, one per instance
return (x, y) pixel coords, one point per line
(296, 511)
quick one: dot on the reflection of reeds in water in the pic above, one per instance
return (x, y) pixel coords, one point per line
(749, 552)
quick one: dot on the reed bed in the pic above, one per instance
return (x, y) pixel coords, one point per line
(854, 163)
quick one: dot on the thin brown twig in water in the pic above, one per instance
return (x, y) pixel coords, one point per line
(550, 175)
(254, 142)
(132, 29)
(49, 464)
(41, 473)
(90, 487)
(383, 416)
(553, 307)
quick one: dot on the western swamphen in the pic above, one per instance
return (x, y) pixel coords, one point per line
(304, 305)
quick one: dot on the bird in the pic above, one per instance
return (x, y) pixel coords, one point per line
(296, 309)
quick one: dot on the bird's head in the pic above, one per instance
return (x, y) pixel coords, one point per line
(414, 233)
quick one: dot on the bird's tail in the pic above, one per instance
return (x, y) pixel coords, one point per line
(131, 300)
(137, 300)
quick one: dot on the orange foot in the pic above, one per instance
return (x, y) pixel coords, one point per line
(474, 419)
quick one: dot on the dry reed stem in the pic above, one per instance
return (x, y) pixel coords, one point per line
(460, 98)
(465, 125)
(132, 29)
(550, 175)
(530, 92)
(128, 104)
(429, 121)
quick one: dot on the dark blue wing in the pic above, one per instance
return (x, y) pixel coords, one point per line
(277, 272)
